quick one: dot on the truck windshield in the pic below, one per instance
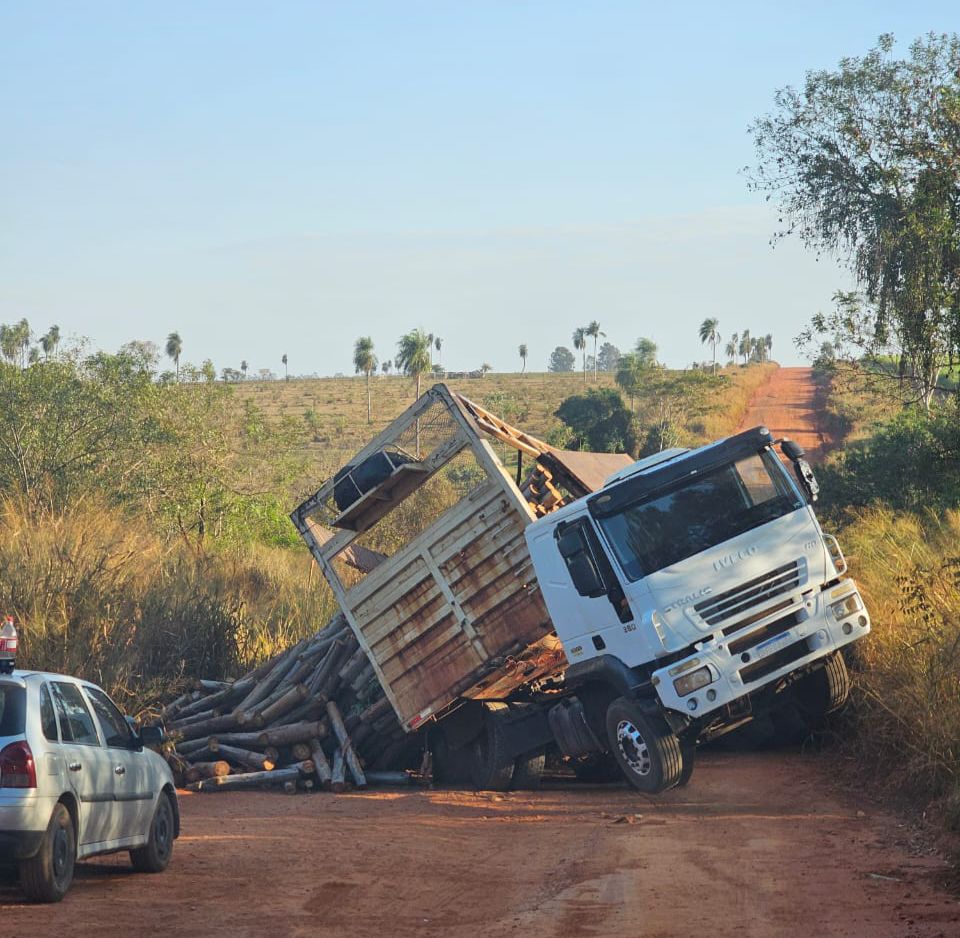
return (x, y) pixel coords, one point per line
(698, 513)
(12, 709)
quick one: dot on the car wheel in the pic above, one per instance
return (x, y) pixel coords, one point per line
(155, 855)
(645, 748)
(46, 876)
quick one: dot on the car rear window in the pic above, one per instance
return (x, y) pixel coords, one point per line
(13, 708)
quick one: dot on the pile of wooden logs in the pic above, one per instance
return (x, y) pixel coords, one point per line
(313, 716)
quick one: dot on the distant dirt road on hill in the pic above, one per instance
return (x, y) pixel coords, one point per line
(787, 404)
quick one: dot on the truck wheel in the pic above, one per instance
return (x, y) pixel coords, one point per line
(154, 856)
(46, 876)
(826, 689)
(528, 770)
(645, 748)
(490, 769)
(688, 756)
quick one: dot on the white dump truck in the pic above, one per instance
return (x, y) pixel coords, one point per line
(619, 611)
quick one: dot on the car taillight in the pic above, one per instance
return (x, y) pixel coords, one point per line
(17, 769)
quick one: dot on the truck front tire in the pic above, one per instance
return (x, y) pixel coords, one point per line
(645, 748)
(826, 689)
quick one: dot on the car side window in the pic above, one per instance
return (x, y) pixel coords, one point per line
(112, 722)
(76, 723)
(48, 716)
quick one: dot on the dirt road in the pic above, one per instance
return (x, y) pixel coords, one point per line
(787, 405)
(759, 846)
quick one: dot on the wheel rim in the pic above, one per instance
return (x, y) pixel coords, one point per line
(163, 828)
(633, 748)
(61, 854)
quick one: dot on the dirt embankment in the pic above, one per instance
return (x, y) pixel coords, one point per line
(787, 405)
(759, 846)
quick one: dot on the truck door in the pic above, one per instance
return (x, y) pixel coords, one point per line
(594, 617)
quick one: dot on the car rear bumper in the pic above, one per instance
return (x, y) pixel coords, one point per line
(19, 845)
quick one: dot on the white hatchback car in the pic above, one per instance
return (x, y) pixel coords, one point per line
(76, 780)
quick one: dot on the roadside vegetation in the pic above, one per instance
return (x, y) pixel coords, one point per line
(863, 164)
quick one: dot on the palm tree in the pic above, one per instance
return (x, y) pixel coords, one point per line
(594, 330)
(22, 335)
(174, 348)
(386, 366)
(438, 345)
(768, 344)
(709, 333)
(286, 374)
(50, 340)
(731, 349)
(745, 347)
(413, 355)
(366, 362)
(243, 367)
(580, 343)
(523, 355)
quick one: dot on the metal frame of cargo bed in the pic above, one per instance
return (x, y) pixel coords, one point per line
(538, 658)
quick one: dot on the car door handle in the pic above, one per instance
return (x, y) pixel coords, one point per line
(74, 766)
(119, 770)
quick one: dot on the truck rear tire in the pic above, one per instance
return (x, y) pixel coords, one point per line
(645, 748)
(826, 689)
(490, 768)
(528, 770)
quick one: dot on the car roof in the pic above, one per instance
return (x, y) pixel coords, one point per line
(31, 676)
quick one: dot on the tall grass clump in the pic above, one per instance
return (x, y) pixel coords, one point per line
(96, 593)
(906, 706)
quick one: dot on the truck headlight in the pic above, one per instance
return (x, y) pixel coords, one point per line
(846, 606)
(694, 680)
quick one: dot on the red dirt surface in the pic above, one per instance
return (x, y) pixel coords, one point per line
(787, 405)
(758, 846)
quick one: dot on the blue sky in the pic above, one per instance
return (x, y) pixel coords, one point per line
(282, 178)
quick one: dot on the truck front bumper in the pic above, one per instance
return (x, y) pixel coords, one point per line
(738, 661)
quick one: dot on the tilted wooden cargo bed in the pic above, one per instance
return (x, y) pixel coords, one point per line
(456, 611)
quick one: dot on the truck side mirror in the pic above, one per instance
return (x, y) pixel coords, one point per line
(792, 450)
(808, 481)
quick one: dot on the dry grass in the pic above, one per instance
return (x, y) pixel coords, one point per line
(333, 411)
(97, 594)
(907, 701)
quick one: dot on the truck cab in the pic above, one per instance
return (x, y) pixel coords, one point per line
(698, 586)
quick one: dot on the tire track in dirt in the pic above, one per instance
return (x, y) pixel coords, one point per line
(788, 404)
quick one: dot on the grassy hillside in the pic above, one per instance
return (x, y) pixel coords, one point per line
(332, 412)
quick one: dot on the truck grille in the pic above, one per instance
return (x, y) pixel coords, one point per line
(756, 592)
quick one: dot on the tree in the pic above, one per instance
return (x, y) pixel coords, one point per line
(561, 360)
(438, 345)
(767, 345)
(600, 422)
(523, 355)
(709, 333)
(413, 355)
(243, 367)
(386, 366)
(594, 330)
(730, 349)
(207, 371)
(864, 162)
(636, 368)
(646, 350)
(580, 344)
(50, 340)
(286, 374)
(484, 368)
(364, 361)
(174, 347)
(608, 357)
(746, 346)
